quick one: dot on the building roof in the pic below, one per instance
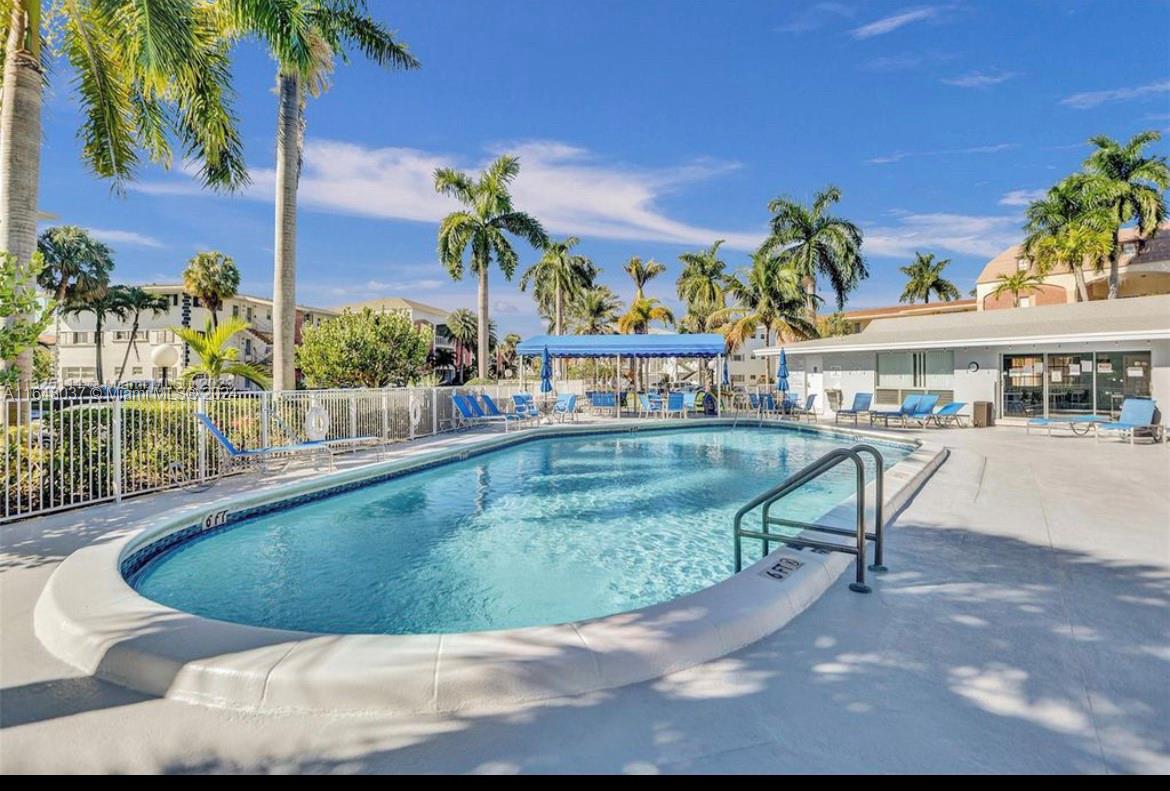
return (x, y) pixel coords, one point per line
(1136, 318)
(249, 297)
(907, 310)
(394, 303)
(672, 345)
(1156, 249)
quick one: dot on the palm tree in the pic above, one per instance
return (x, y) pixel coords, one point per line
(594, 311)
(217, 357)
(700, 286)
(137, 301)
(637, 320)
(506, 353)
(1069, 226)
(769, 294)
(213, 278)
(926, 277)
(483, 228)
(105, 304)
(1020, 282)
(642, 273)
(463, 328)
(817, 244)
(76, 264)
(560, 274)
(147, 75)
(1135, 184)
(304, 38)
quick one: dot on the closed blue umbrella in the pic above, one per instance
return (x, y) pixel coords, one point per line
(782, 375)
(546, 372)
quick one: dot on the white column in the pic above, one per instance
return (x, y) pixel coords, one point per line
(719, 386)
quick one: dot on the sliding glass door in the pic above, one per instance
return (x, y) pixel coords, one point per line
(1070, 384)
(1067, 383)
(1023, 385)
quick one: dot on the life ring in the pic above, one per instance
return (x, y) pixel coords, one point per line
(316, 423)
(415, 414)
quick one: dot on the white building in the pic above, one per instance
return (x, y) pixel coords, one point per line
(77, 344)
(1076, 358)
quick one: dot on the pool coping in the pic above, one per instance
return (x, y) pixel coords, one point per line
(89, 616)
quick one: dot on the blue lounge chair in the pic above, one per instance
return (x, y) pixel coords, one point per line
(235, 456)
(525, 405)
(924, 410)
(1137, 415)
(675, 404)
(491, 410)
(861, 402)
(806, 410)
(909, 405)
(468, 413)
(1080, 425)
(948, 415)
(602, 401)
(565, 407)
(352, 443)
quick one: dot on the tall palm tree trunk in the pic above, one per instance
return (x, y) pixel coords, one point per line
(483, 328)
(284, 285)
(129, 346)
(97, 347)
(1114, 265)
(20, 145)
(1079, 277)
(810, 298)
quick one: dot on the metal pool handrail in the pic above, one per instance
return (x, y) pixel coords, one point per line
(819, 467)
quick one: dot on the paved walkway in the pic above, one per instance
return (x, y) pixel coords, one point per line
(1024, 627)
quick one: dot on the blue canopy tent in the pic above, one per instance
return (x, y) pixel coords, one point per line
(699, 345)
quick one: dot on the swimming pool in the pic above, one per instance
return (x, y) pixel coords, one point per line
(549, 531)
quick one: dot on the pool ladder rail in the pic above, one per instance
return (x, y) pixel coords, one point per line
(810, 473)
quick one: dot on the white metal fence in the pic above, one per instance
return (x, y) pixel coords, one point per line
(63, 449)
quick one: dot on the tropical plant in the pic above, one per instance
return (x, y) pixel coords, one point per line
(924, 277)
(149, 75)
(463, 327)
(75, 264)
(364, 349)
(594, 311)
(834, 325)
(137, 301)
(1071, 226)
(817, 244)
(213, 278)
(506, 359)
(1020, 282)
(108, 304)
(700, 286)
(637, 320)
(1134, 184)
(482, 228)
(769, 294)
(642, 272)
(304, 37)
(217, 357)
(559, 275)
(26, 316)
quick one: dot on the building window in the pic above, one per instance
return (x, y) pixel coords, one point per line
(1025, 302)
(235, 311)
(174, 300)
(162, 336)
(737, 378)
(248, 314)
(926, 370)
(1022, 264)
(737, 358)
(75, 338)
(78, 374)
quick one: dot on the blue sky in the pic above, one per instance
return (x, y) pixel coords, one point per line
(654, 127)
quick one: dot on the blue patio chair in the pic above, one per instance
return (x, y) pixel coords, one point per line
(948, 415)
(806, 410)
(675, 405)
(769, 405)
(235, 456)
(649, 403)
(602, 401)
(525, 405)
(909, 405)
(923, 412)
(1137, 415)
(861, 402)
(565, 407)
(754, 401)
(1079, 425)
(689, 398)
(490, 408)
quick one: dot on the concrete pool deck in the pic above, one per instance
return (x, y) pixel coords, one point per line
(1024, 626)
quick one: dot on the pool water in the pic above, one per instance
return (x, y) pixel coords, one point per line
(548, 531)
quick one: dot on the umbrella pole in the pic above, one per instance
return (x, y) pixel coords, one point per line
(617, 381)
(522, 373)
(719, 389)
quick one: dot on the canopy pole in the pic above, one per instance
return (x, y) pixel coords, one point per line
(719, 388)
(522, 373)
(617, 381)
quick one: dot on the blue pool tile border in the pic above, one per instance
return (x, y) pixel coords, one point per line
(133, 565)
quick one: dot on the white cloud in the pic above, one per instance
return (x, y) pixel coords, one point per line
(900, 155)
(116, 237)
(940, 232)
(814, 17)
(1090, 99)
(1021, 197)
(979, 79)
(570, 189)
(891, 23)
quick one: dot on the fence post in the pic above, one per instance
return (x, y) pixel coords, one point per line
(117, 429)
(265, 418)
(386, 413)
(353, 415)
(434, 410)
(202, 440)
